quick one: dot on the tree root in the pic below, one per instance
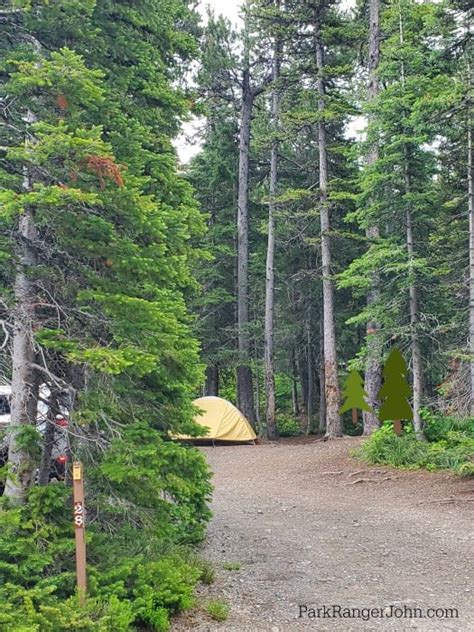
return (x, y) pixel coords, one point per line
(371, 480)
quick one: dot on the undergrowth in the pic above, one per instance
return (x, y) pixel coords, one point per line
(449, 446)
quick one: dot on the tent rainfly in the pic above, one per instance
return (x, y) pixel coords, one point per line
(224, 421)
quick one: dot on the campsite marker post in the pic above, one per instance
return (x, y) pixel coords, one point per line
(80, 530)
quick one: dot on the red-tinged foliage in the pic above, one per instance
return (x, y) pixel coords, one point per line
(62, 102)
(105, 168)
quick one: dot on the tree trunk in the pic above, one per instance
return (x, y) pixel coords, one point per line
(415, 345)
(373, 371)
(211, 386)
(24, 400)
(333, 419)
(310, 388)
(294, 383)
(470, 174)
(354, 416)
(322, 381)
(271, 427)
(413, 294)
(48, 440)
(245, 397)
(397, 427)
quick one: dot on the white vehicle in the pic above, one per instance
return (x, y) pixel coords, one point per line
(5, 393)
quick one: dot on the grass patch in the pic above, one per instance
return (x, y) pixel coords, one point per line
(231, 566)
(449, 446)
(207, 573)
(218, 610)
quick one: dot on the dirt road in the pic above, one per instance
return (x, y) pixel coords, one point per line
(310, 529)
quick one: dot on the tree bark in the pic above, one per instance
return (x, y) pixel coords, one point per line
(413, 293)
(415, 345)
(333, 419)
(24, 400)
(272, 431)
(294, 383)
(211, 386)
(322, 381)
(245, 396)
(373, 371)
(310, 365)
(470, 185)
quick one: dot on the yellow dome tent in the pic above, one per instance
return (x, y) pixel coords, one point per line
(224, 420)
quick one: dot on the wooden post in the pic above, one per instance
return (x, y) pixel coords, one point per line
(79, 527)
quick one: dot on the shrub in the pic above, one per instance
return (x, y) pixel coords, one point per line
(449, 445)
(137, 575)
(37, 610)
(288, 426)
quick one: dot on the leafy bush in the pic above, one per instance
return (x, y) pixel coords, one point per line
(449, 446)
(288, 426)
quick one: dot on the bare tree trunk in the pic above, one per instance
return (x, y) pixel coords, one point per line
(310, 388)
(294, 383)
(470, 185)
(413, 294)
(333, 419)
(373, 371)
(211, 386)
(257, 398)
(24, 380)
(322, 381)
(271, 427)
(24, 400)
(415, 345)
(245, 395)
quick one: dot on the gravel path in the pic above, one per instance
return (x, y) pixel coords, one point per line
(309, 528)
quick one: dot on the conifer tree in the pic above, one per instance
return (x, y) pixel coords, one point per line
(395, 391)
(97, 225)
(354, 395)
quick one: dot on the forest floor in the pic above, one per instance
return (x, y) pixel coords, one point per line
(310, 525)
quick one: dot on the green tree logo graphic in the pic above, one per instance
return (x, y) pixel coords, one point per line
(354, 394)
(395, 392)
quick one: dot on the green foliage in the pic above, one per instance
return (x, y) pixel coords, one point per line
(450, 446)
(35, 610)
(288, 426)
(206, 569)
(37, 571)
(164, 477)
(218, 610)
(86, 151)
